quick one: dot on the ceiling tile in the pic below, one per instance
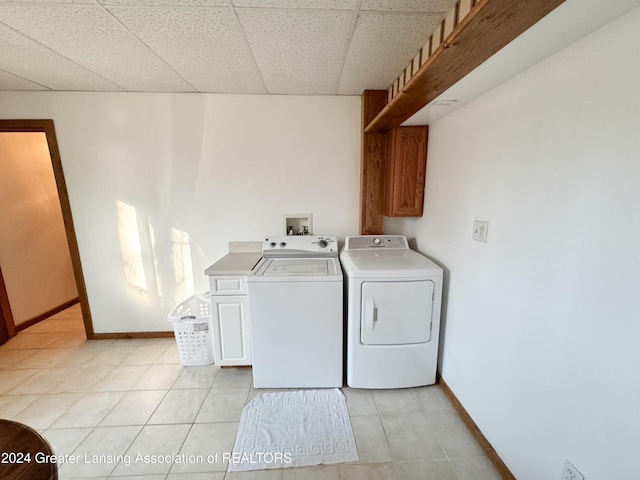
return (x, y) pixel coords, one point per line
(30, 60)
(381, 48)
(298, 51)
(44, 2)
(433, 6)
(165, 3)
(91, 37)
(205, 46)
(299, 4)
(10, 82)
(314, 47)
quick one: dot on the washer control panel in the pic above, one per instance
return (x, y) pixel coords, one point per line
(376, 241)
(300, 246)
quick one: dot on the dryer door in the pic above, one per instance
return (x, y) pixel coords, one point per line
(396, 313)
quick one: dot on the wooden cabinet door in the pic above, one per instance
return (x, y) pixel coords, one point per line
(406, 173)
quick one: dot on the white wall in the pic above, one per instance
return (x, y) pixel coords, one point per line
(34, 253)
(542, 322)
(219, 168)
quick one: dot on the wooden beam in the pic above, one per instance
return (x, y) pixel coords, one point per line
(489, 26)
(373, 166)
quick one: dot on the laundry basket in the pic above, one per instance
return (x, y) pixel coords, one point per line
(192, 327)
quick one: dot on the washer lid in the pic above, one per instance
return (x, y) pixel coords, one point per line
(297, 266)
(297, 269)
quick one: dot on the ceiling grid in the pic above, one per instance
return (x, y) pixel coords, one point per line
(306, 47)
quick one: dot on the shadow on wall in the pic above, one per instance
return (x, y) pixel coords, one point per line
(142, 262)
(446, 277)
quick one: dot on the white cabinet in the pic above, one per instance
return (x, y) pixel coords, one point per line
(230, 315)
(228, 285)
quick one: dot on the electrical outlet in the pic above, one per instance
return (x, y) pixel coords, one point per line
(569, 472)
(480, 230)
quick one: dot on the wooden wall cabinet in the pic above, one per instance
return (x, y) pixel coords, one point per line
(407, 157)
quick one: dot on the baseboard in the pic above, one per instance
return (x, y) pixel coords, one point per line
(49, 313)
(491, 454)
(125, 335)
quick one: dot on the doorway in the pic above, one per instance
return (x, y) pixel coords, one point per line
(46, 127)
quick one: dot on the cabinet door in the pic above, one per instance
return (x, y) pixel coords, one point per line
(228, 284)
(231, 330)
(406, 173)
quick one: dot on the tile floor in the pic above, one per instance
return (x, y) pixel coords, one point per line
(129, 397)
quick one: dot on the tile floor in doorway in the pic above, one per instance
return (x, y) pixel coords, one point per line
(114, 397)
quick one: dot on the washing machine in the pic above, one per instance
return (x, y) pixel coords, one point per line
(296, 302)
(393, 313)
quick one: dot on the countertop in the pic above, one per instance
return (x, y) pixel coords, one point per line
(240, 260)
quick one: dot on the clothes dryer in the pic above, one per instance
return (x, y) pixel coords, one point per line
(393, 313)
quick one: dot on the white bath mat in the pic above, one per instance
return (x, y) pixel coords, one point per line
(293, 429)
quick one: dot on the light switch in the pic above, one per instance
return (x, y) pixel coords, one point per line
(480, 230)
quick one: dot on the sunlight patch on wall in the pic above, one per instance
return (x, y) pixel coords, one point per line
(152, 236)
(130, 245)
(182, 266)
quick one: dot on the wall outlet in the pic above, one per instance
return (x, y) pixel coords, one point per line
(569, 472)
(480, 230)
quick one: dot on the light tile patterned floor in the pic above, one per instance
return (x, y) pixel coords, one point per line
(130, 397)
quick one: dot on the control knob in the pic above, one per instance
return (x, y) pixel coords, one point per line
(322, 243)
(376, 241)
(272, 244)
(283, 244)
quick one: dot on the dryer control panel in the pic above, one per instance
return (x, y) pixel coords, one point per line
(376, 241)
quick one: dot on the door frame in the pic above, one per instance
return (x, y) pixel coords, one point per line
(7, 327)
(46, 126)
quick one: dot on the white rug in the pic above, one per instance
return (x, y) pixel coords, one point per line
(293, 429)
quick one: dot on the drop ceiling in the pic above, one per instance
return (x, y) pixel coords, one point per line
(306, 47)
